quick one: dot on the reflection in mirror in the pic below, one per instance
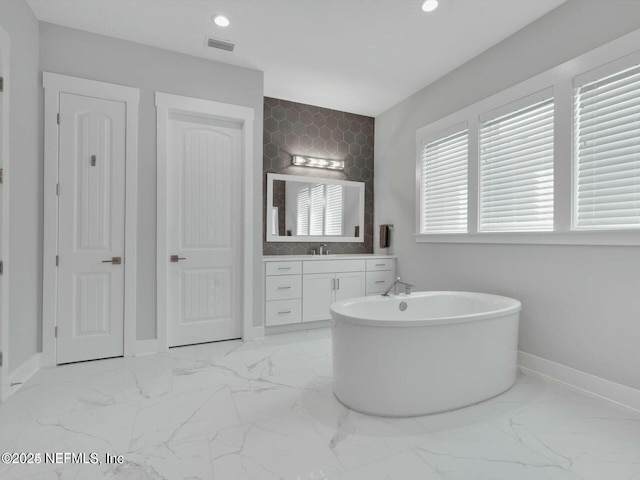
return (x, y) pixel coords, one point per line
(314, 209)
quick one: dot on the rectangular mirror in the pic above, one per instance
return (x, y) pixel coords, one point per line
(313, 209)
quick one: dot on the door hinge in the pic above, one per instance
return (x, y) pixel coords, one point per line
(1, 267)
(55, 332)
(57, 189)
(1, 175)
(58, 119)
(57, 260)
(1, 84)
(1, 358)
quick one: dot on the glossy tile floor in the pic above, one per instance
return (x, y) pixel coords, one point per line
(265, 410)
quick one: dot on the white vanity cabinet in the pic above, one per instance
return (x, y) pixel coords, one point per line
(283, 293)
(381, 272)
(327, 282)
(301, 289)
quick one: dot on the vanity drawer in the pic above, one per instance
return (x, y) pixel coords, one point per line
(284, 268)
(281, 287)
(282, 312)
(378, 282)
(374, 264)
(333, 266)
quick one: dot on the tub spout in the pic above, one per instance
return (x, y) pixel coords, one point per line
(407, 287)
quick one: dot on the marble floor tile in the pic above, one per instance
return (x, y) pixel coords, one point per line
(274, 395)
(61, 473)
(402, 466)
(180, 416)
(285, 447)
(99, 430)
(266, 410)
(182, 459)
(309, 356)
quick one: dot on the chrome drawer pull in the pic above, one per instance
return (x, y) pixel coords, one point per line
(283, 313)
(380, 264)
(380, 281)
(283, 288)
(284, 268)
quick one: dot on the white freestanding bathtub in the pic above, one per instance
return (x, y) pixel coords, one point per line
(426, 352)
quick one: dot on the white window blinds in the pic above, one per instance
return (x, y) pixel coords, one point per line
(320, 210)
(316, 209)
(607, 152)
(516, 170)
(302, 225)
(334, 210)
(444, 184)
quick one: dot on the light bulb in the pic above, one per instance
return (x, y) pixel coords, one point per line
(223, 21)
(430, 5)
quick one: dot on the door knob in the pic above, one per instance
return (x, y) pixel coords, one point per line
(176, 258)
(114, 261)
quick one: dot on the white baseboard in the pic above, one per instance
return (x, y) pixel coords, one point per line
(578, 380)
(253, 333)
(146, 347)
(24, 372)
(297, 327)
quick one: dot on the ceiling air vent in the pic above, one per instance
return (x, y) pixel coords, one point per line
(221, 44)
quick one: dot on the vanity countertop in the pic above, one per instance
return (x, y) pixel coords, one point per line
(357, 256)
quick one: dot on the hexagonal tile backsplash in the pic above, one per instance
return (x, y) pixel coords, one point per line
(296, 129)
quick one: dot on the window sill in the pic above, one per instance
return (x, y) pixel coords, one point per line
(620, 238)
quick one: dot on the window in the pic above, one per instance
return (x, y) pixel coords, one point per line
(316, 209)
(312, 217)
(335, 204)
(552, 160)
(607, 152)
(302, 222)
(516, 170)
(444, 184)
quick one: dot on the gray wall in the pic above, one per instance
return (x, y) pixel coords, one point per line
(297, 129)
(26, 173)
(581, 304)
(73, 52)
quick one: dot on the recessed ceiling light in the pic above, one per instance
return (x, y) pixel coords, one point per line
(430, 5)
(223, 21)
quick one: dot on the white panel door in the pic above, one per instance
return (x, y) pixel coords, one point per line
(91, 228)
(317, 296)
(204, 230)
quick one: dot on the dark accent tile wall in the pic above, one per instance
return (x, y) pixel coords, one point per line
(297, 129)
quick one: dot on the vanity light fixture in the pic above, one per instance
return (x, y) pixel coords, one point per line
(301, 161)
(221, 20)
(429, 5)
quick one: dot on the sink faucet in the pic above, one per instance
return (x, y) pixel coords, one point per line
(407, 287)
(322, 249)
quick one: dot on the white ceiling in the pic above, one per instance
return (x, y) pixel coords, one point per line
(360, 56)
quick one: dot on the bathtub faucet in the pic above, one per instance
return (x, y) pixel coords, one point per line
(407, 287)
